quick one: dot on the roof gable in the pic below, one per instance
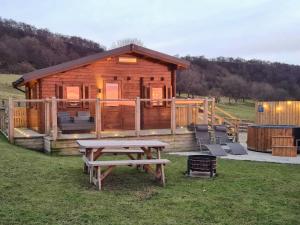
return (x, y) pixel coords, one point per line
(132, 48)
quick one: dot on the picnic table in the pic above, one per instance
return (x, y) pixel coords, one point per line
(95, 149)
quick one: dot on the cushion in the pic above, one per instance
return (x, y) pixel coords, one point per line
(221, 128)
(201, 128)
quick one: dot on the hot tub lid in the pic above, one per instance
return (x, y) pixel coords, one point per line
(273, 126)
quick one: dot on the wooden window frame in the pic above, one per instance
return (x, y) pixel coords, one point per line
(119, 92)
(72, 104)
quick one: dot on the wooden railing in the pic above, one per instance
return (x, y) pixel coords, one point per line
(183, 112)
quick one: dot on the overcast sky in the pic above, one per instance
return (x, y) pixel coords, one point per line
(262, 29)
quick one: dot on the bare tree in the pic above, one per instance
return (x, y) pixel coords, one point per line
(127, 41)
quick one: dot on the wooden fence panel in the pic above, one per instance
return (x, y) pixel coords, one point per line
(20, 118)
(278, 113)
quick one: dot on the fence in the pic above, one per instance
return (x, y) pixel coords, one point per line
(42, 115)
(278, 112)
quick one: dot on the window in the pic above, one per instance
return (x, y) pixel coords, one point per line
(127, 59)
(73, 93)
(157, 93)
(112, 92)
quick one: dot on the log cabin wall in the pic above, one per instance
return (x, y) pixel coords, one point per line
(134, 80)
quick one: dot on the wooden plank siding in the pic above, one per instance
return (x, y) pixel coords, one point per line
(131, 78)
(278, 112)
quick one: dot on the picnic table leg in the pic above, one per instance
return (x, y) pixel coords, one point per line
(87, 155)
(91, 174)
(99, 178)
(162, 178)
(160, 174)
(148, 156)
(139, 157)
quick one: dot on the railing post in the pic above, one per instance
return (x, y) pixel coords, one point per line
(137, 116)
(213, 112)
(98, 118)
(47, 116)
(54, 118)
(237, 131)
(173, 116)
(205, 113)
(11, 122)
(190, 114)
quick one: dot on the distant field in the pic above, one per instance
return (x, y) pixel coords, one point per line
(242, 110)
(6, 89)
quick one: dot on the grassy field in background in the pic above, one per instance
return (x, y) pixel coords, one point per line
(6, 89)
(40, 189)
(242, 110)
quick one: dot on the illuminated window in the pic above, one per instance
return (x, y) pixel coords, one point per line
(73, 92)
(127, 59)
(157, 93)
(112, 92)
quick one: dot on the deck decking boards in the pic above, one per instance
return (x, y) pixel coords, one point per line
(182, 140)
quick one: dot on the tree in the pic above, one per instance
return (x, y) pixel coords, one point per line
(126, 41)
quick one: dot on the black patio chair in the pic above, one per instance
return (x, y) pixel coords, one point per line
(222, 138)
(205, 143)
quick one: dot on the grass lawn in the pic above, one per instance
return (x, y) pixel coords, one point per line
(6, 89)
(243, 110)
(40, 189)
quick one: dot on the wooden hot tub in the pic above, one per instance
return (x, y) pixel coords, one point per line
(260, 136)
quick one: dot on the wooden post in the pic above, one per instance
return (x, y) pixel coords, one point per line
(47, 116)
(205, 113)
(173, 115)
(54, 118)
(137, 116)
(11, 124)
(237, 130)
(190, 114)
(213, 112)
(98, 118)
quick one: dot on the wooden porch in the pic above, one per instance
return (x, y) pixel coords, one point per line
(34, 123)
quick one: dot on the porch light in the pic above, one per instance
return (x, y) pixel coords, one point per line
(99, 90)
(289, 102)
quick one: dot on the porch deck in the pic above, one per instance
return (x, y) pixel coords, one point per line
(28, 133)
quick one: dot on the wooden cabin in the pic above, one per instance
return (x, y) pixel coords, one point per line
(127, 92)
(123, 73)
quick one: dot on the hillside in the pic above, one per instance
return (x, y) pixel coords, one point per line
(240, 79)
(24, 48)
(6, 89)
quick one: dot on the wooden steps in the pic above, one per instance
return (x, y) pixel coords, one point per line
(283, 146)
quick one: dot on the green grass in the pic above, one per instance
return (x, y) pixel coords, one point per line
(6, 89)
(242, 110)
(41, 189)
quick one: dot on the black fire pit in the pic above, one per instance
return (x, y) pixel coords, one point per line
(201, 166)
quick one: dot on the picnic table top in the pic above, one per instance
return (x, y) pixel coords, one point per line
(120, 143)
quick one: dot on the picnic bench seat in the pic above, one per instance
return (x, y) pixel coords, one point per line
(96, 176)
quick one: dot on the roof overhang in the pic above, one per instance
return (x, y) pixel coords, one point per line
(132, 48)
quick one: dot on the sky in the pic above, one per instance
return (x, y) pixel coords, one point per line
(260, 29)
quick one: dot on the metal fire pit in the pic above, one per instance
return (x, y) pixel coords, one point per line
(201, 166)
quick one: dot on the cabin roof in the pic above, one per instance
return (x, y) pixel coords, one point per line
(132, 48)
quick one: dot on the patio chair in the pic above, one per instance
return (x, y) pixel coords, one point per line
(222, 138)
(204, 141)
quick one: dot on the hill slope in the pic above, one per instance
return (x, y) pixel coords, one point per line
(240, 79)
(24, 48)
